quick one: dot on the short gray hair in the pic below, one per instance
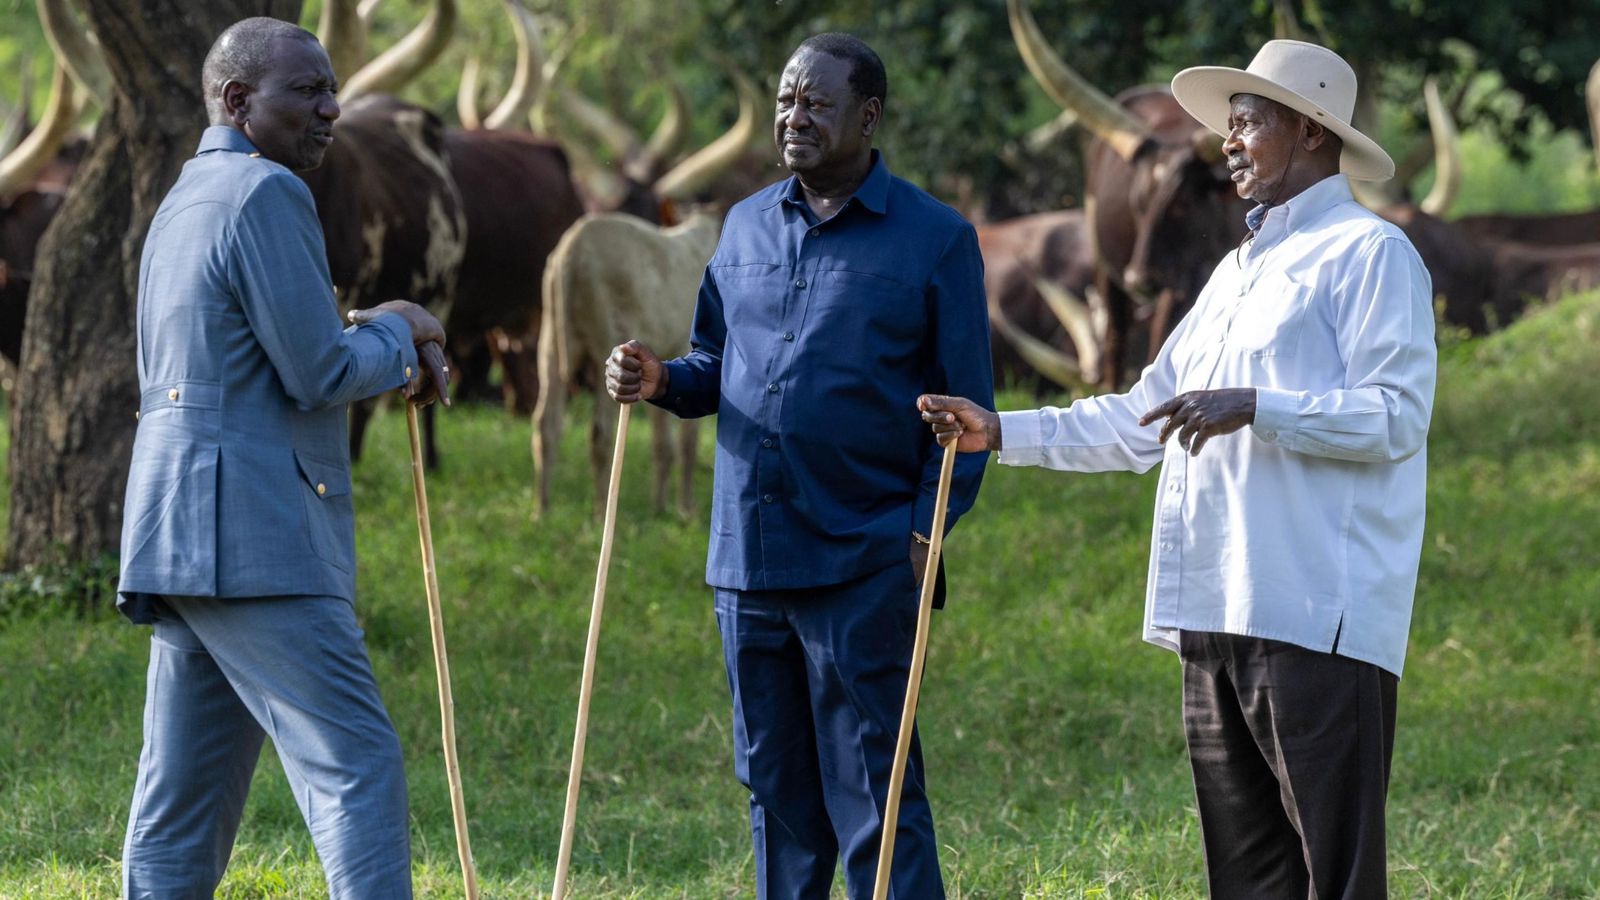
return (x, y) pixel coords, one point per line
(243, 53)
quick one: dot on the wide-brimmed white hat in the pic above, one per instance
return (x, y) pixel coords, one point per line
(1309, 79)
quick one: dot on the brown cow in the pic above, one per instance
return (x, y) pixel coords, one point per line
(1549, 229)
(518, 195)
(1029, 337)
(392, 219)
(1161, 208)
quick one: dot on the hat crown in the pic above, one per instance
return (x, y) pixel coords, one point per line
(1314, 72)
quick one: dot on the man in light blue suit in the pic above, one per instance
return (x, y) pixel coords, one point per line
(238, 539)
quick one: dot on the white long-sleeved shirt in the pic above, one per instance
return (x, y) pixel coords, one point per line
(1307, 527)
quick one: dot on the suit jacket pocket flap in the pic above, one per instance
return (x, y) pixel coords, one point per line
(325, 478)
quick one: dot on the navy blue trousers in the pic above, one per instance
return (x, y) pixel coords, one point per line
(818, 677)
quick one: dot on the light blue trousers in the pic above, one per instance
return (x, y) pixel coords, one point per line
(223, 675)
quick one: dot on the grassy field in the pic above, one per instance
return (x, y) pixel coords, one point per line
(1055, 749)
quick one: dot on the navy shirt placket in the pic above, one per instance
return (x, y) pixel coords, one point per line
(799, 223)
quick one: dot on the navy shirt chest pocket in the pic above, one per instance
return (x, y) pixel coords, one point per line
(866, 317)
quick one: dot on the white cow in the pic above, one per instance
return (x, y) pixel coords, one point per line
(611, 278)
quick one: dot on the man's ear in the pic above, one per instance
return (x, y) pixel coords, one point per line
(236, 101)
(1313, 133)
(871, 115)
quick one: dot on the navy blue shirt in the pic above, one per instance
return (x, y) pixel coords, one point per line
(811, 341)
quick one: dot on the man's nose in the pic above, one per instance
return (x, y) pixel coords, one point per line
(797, 118)
(328, 108)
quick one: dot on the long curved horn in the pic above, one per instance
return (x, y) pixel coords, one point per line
(1040, 356)
(539, 114)
(366, 11)
(467, 96)
(528, 81)
(1592, 94)
(1447, 149)
(19, 167)
(77, 49)
(616, 134)
(344, 35)
(1110, 122)
(1074, 316)
(1285, 24)
(16, 123)
(705, 165)
(668, 137)
(398, 65)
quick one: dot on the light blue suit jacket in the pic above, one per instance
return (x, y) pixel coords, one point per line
(240, 482)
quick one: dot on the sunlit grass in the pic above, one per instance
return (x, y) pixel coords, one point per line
(1055, 750)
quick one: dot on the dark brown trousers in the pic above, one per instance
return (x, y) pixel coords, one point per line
(1290, 750)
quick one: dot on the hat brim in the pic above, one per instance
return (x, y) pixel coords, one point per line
(1207, 93)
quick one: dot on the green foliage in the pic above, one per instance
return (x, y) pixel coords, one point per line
(1056, 756)
(961, 99)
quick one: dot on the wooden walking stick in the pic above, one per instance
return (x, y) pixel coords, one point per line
(569, 818)
(441, 663)
(919, 655)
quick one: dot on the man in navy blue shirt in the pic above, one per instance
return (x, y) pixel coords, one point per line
(834, 299)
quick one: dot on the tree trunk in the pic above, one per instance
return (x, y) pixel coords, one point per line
(77, 385)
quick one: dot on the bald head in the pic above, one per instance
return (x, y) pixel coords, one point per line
(243, 53)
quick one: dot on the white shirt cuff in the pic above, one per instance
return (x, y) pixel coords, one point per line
(1021, 438)
(1277, 413)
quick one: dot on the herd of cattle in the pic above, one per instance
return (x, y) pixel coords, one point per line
(539, 259)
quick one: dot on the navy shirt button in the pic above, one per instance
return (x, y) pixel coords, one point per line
(767, 442)
(800, 283)
(788, 335)
(766, 498)
(772, 388)
(815, 232)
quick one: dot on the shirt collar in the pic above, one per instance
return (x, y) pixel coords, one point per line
(1304, 207)
(873, 194)
(224, 137)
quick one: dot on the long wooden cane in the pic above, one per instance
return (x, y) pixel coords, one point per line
(569, 818)
(441, 662)
(919, 655)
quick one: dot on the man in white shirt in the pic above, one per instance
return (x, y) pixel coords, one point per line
(1289, 519)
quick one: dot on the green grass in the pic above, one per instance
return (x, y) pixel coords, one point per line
(1055, 749)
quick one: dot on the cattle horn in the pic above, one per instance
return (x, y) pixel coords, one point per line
(1285, 24)
(668, 137)
(1074, 316)
(528, 81)
(16, 123)
(467, 95)
(35, 151)
(1447, 150)
(77, 49)
(1207, 145)
(1592, 94)
(397, 66)
(366, 10)
(539, 115)
(702, 167)
(1110, 122)
(1040, 356)
(344, 35)
(621, 139)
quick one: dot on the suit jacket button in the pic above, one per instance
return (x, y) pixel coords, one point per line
(321, 489)
(172, 394)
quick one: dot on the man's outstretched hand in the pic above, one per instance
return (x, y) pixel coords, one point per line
(432, 380)
(1198, 416)
(974, 429)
